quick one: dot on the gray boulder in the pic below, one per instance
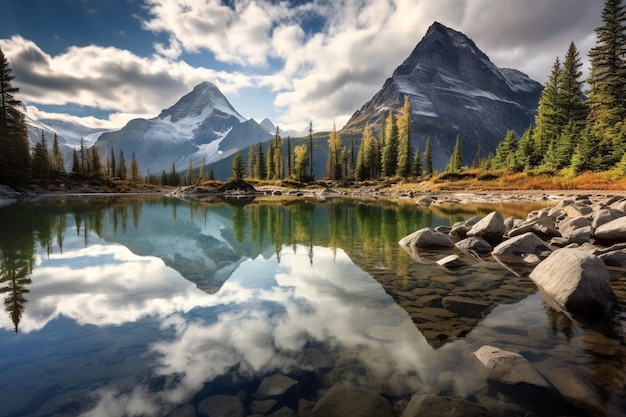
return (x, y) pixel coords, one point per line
(274, 386)
(430, 405)
(576, 280)
(474, 245)
(491, 227)
(346, 400)
(511, 373)
(518, 247)
(221, 406)
(427, 239)
(605, 216)
(460, 229)
(539, 222)
(452, 262)
(577, 392)
(612, 231)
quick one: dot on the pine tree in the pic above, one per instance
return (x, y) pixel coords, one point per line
(405, 150)
(113, 168)
(351, 162)
(121, 167)
(428, 159)
(135, 174)
(289, 158)
(203, 170)
(75, 163)
(363, 169)
(507, 148)
(300, 163)
(83, 157)
(40, 161)
(260, 168)
(58, 162)
(607, 78)
(456, 158)
(238, 168)
(549, 118)
(94, 163)
(418, 165)
(571, 95)
(15, 155)
(251, 161)
(390, 147)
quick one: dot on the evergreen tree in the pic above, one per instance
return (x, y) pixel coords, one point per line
(505, 153)
(121, 167)
(428, 159)
(238, 168)
(133, 166)
(336, 154)
(289, 158)
(251, 162)
(260, 168)
(363, 169)
(607, 78)
(405, 150)
(270, 169)
(390, 147)
(277, 155)
(189, 175)
(351, 162)
(58, 162)
(549, 118)
(113, 168)
(456, 158)
(211, 175)
(203, 170)
(525, 155)
(94, 163)
(83, 157)
(418, 166)
(15, 154)
(40, 161)
(75, 163)
(571, 96)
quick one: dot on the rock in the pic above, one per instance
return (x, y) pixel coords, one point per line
(514, 249)
(577, 210)
(274, 386)
(221, 406)
(577, 392)
(262, 407)
(427, 239)
(540, 223)
(305, 407)
(443, 229)
(491, 227)
(605, 216)
(612, 231)
(283, 412)
(430, 405)
(616, 258)
(184, 411)
(569, 226)
(460, 229)
(452, 262)
(346, 400)
(474, 245)
(511, 373)
(425, 201)
(466, 307)
(576, 280)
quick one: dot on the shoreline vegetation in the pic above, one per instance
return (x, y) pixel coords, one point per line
(463, 188)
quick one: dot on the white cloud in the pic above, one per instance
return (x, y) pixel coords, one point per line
(109, 79)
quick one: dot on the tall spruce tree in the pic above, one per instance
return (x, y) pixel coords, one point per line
(389, 160)
(456, 158)
(15, 155)
(607, 78)
(549, 118)
(238, 168)
(310, 150)
(58, 161)
(428, 158)
(336, 155)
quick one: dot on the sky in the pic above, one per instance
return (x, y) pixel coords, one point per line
(101, 63)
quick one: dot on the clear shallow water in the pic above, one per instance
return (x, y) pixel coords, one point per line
(118, 306)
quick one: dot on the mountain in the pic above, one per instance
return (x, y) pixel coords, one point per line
(201, 126)
(453, 89)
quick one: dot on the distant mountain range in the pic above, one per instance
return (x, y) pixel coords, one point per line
(452, 86)
(453, 89)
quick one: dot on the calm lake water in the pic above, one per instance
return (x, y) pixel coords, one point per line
(118, 306)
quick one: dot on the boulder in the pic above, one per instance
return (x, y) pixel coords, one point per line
(577, 210)
(576, 280)
(460, 229)
(425, 201)
(577, 392)
(612, 231)
(539, 223)
(274, 386)
(616, 258)
(346, 400)
(511, 373)
(427, 239)
(605, 216)
(221, 405)
(431, 405)
(474, 245)
(516, 248)
(452, 262)
(184, 411)
(491, 227)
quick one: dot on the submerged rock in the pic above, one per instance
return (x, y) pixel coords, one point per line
(221, 405)
(346, 400)
(576, 280)
(431, 405)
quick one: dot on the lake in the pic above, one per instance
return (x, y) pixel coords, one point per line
(133, 306)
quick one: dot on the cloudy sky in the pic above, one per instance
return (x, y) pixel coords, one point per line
(104, 62)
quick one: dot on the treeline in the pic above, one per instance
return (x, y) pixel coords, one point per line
(576, 131)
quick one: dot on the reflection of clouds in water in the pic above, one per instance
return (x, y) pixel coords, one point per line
(281, 312)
